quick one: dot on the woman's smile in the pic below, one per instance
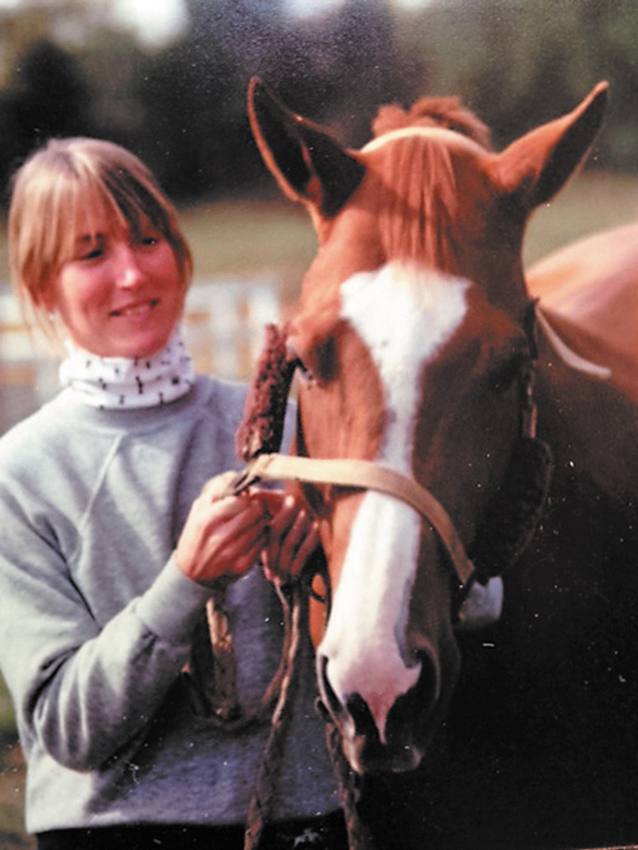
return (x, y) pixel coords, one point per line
(140, 308)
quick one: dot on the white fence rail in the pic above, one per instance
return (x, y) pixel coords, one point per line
(223, 327)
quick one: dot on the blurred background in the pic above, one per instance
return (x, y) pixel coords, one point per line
(168, 79)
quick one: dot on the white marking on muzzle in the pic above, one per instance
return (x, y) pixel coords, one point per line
(404, 314)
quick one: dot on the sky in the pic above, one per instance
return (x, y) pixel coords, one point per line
(159, 21)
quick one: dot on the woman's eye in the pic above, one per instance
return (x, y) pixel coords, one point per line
(93, 253)
(147, 240)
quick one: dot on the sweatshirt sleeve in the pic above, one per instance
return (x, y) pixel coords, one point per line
(82, 690)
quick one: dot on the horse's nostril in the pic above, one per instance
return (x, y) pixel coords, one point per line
(420, 700)
(327, 693)
(364, 723)
(428, 685)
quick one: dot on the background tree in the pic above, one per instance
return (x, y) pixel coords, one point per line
(182, 107)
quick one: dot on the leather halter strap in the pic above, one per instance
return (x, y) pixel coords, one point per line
(364, 475)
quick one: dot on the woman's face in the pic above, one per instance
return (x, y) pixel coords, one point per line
(119, 295)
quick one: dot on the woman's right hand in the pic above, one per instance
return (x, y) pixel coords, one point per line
(223, 535)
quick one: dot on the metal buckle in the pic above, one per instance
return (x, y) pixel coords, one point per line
(242, 481)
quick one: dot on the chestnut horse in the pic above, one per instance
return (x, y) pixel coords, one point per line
(418, 353)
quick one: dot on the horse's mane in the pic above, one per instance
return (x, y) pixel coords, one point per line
(446, 112)
(421, 215)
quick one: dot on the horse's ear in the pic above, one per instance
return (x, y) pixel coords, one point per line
(309, 165)
(536, 166)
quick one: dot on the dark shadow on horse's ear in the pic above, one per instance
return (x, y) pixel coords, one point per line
(309, 165)
(536, 166)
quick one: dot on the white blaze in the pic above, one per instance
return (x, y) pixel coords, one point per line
(404, 314)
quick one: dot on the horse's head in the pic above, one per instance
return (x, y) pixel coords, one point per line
(414, 354)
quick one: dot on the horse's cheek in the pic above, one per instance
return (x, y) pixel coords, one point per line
(430, 608)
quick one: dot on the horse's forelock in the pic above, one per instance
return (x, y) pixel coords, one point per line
(420, 213)
(445, 112)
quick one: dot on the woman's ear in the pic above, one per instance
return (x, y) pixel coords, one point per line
(47, 299)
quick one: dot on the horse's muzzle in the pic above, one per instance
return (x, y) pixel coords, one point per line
(408, 727)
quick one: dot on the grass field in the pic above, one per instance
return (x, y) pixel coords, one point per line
(243, 237)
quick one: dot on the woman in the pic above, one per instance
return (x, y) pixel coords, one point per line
(110, 551)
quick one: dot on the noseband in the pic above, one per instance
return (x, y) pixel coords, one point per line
(364, 475)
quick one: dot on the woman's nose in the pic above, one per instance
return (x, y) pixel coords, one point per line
(128, 272)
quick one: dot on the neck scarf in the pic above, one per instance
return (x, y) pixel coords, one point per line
(129, 383)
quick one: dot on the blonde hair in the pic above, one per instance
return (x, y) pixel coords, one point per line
(58, 195)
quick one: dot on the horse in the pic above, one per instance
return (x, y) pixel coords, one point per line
(476, 488)
(589, 293)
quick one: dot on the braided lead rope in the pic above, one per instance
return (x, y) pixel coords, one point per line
(216, 694)
(294, 604)
(294, 599)
(223, 701)
(217, 703)
(359, 837)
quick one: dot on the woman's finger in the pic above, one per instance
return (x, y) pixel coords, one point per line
(218, 535)
(308, 546)
(291, 540)
(219, 485)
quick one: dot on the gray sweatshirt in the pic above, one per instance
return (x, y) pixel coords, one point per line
(96, 622)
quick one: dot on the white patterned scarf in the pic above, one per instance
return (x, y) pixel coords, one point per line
(128, 383)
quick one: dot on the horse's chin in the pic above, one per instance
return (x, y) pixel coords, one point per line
(366, 755)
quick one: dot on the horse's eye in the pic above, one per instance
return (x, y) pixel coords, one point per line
(323, 365)
(294, 356)
(503, 377)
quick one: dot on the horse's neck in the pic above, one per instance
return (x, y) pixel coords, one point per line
(590, 424)
(590, 354)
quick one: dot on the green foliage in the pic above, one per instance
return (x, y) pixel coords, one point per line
(183, 108)
(521, 63)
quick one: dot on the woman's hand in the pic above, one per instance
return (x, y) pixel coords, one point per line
(292, 536)
(223, 535)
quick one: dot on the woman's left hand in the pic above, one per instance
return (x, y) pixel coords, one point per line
(293, 534)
